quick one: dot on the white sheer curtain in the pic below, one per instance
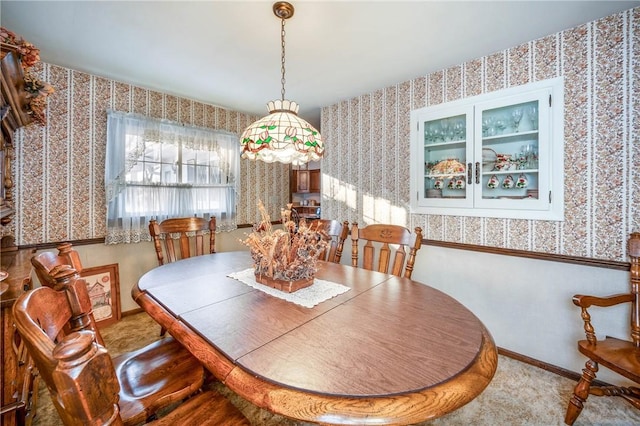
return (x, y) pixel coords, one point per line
(157, 169)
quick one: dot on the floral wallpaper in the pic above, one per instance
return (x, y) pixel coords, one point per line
(366, 164)
(59, 168)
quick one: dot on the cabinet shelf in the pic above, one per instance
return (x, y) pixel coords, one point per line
(509, 137)
(510, 172)
(444, 176)
(447, 144)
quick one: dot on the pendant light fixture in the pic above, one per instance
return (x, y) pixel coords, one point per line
(282, 135)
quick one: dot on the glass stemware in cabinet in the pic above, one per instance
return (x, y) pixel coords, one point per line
(533, 116)
(447, 132)
(516, 114)
(429, 134)
(459, 130)
(432, 133)
(528, 157)
(488, 127)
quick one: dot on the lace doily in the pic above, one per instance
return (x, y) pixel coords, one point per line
(308, 297)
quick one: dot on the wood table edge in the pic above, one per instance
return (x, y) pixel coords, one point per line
(409, 408)
(402, 409)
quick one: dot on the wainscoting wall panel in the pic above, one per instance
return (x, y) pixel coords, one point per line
(59, 168)
(599, 62)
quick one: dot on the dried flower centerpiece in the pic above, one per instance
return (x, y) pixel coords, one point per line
(285, 258)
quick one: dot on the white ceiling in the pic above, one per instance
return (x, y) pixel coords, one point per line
(227, 53)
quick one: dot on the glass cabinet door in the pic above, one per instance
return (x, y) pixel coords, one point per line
(446, 153)
(513, 154)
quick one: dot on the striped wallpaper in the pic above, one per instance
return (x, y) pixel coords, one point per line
(59, 189)
(366, 165)
(59, 171)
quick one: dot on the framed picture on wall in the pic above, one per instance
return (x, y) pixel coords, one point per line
(103, 284)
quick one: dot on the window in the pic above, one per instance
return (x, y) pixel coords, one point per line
(156, 169)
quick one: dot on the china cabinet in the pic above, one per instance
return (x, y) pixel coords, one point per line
(493, 155)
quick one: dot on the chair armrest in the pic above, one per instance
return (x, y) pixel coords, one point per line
(585, 302)
(588, 301)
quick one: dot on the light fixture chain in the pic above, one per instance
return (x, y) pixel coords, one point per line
(282, 70)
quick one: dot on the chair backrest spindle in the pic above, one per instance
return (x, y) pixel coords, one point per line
(190, 241)
(337, 232)
(399, 261)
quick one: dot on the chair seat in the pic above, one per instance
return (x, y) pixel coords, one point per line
(204, 409)
(163, 367)
(618, 355)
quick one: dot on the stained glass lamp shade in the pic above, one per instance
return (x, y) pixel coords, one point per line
(282, 136)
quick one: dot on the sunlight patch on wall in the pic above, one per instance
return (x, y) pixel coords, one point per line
(380, 210)
(340, 191)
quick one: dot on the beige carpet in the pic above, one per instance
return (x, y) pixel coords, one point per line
(519, 394)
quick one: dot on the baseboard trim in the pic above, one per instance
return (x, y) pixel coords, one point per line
(131, 312)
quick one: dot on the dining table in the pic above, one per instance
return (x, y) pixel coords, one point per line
(381, 349)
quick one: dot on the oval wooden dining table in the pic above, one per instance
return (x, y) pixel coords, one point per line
(387, 351)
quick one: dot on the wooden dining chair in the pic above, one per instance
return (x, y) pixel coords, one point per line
(44, 262)
(381, 242)
(55, 270)
(65, 307)
(335, 231)
(618, 355)
(86, 384)
(183, 237)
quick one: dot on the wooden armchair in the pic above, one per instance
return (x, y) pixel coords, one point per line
(83, 381)
(404, 255)
(190, 232)
(621, 356)
(337, 232)
(176, 375)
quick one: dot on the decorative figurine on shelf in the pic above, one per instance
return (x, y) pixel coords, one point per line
(452, 183)
(508, 183)
(522, 181)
